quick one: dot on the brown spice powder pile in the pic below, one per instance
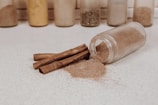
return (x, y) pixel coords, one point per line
(8, 16)
(143, 15)
(87, 69)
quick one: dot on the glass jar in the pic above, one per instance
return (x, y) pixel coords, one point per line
(117, 12)
(37, 12)
(64, 12)
(144, 11)
(90, 13)
(8, 13)
(116, 43)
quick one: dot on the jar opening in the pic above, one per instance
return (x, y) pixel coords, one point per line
(102, 50)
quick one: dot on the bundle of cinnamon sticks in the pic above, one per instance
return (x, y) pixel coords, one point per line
(48, 62)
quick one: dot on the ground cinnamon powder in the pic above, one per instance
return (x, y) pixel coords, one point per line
(92, 68)
(143, 15)
(128, 41)
(8, 16)
(102, 52)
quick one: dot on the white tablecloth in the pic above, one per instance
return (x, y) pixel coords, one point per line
(130, 81)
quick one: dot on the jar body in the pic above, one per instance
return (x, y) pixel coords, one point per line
(118, 42)
(8, 13)
(90, 13)
(37, 12)
(64, 12)
(117, 12)
(143, 12)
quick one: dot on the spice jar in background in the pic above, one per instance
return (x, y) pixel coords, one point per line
(8, 13)
(37, 12)
(118, 42)
(64, 12)
(117, 12)
(90, 13)
(143, 12)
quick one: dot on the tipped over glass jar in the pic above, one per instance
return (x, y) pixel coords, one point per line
(116, 43)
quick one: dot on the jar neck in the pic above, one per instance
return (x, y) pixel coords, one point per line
(109, 43)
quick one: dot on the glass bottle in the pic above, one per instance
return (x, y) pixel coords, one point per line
(116, 43)
(90, 13)
(64, 12)
(117, 12)
(37, 12)
(8, 13)
(144, 11)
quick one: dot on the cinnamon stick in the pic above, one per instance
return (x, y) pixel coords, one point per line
(59, 64)
(41, 56)
(60, 56)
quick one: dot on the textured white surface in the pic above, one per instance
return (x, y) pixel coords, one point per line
(130, 81)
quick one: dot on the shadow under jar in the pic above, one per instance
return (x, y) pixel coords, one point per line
(116, 43)
(90, 13)
(8, 13)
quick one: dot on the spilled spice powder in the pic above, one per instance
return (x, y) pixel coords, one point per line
(8, 16)
(143, 15)
(91, 68)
